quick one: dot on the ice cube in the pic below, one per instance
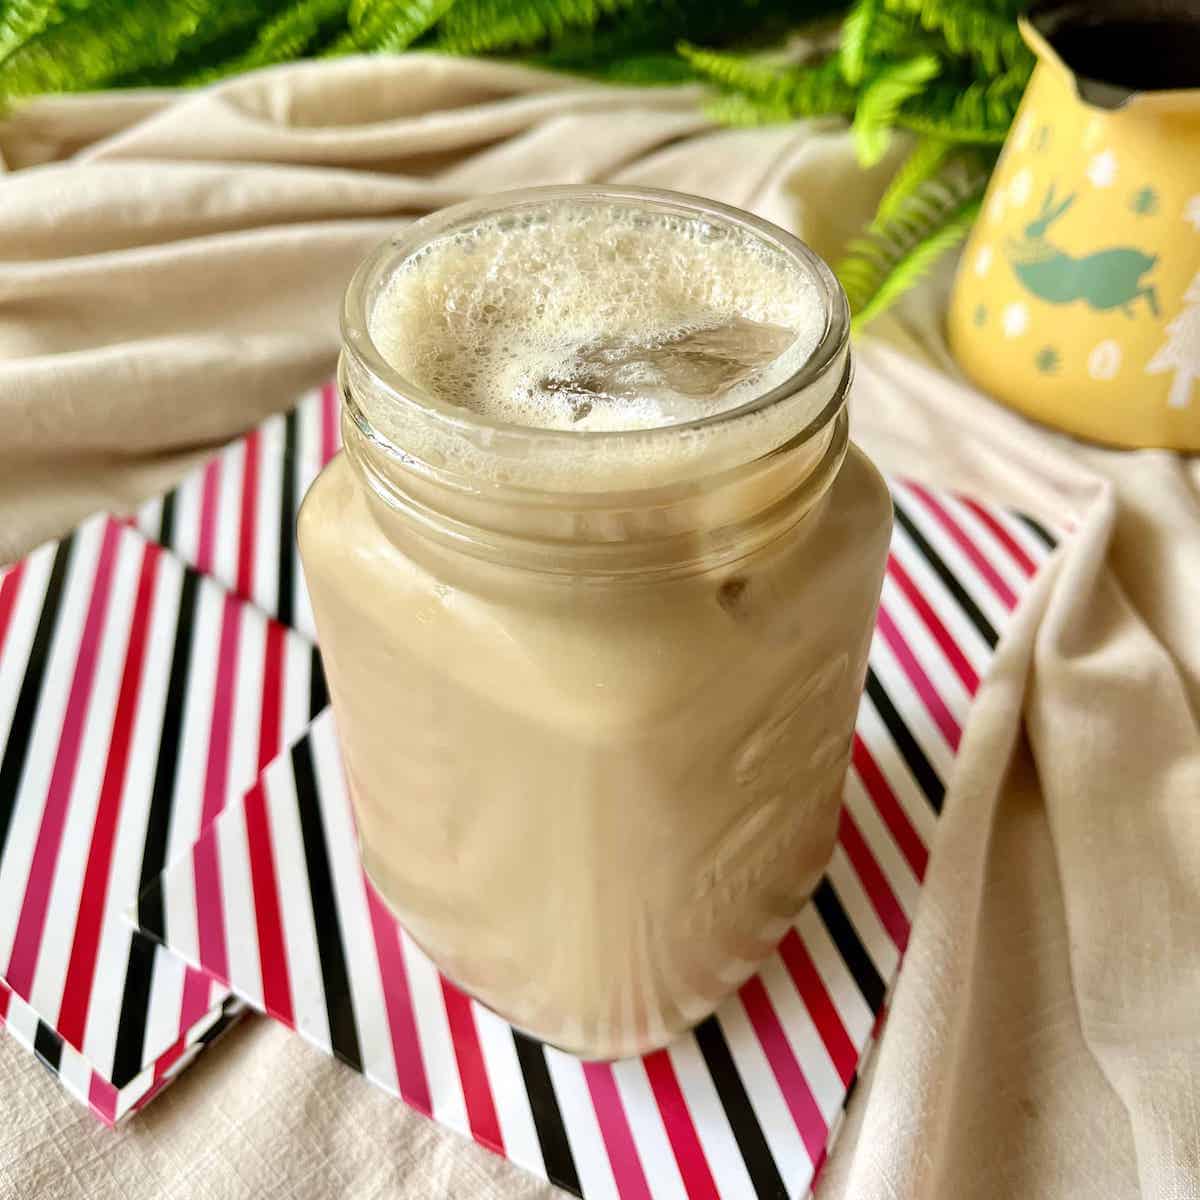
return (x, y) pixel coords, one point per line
(684, 372)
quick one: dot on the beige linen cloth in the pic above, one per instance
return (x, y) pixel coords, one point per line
(170, 268)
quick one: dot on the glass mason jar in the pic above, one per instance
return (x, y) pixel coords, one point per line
(595, 690)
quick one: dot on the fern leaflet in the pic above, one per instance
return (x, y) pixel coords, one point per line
(880, 101)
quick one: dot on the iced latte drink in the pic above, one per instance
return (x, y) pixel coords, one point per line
(594, 579)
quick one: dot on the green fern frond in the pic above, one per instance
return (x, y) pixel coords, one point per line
(477, 26)
(389, 25)
(92, 44)
(21, 20)
(285, 37)
(970, 30)
(737, 109)
(915, 264)
(923, 162)
(857, 31)
(978, 114)
(893, 255)
(881, 100)
(803, 91)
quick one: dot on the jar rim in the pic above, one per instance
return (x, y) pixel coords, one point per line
(829, 351)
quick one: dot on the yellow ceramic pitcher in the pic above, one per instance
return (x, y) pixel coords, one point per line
(1078, 295)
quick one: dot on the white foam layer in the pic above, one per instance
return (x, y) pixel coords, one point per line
(597, 316)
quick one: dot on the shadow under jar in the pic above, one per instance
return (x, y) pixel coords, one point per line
(596, 688)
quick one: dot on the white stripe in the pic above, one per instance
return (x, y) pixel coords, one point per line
(63, 909)
(21, 628)
(186, 536)
(228, 532)
(299, 931)
(712, 1126)
(297, 672)
(22, 1021)
(166, 995)
(583, 1129)
(75, 1072)
(433, 1032)
(192, 768)
(904, 884)
(955, 559)
(782, 1137)
(354, 918)
(847, 1000)
(47, 729)
(270, 487)
(960, 627)
(508, 1088)
(246, 718)
(823, 1080)
(989, 546)
(927, 652)
(237, 906)
(895, 770)
(649, 1132)
(308, 463)
(166, 987)
(149, 518)
(112, 956)
(878, 942)
(911, 707)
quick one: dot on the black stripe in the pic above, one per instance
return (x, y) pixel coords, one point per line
(948, 578)
(339, 1004)
(219, 1026)
(1039, 531)
(920, 766)
(47, 1045)
(135, 1002)
(547, 1116)
(287, 523)
(764, 1173)
(318, 693)
(166, 526)
(20, 732)
(853, 952)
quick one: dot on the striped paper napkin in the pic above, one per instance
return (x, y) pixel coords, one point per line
(138, 696)
(271, 901)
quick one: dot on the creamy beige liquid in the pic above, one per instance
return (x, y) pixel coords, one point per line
(598, 801)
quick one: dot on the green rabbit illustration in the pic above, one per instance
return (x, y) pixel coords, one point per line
(1105, 280)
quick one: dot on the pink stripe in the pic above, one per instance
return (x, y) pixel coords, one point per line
(216, 777)
(102, 1098)
(28, 939)
(9, 586)
(943, 718)
(393, 974)
(681, 1130)
(1015, 550)
(272, 946)
(210, 930)
(5, 996)
(81, 968)
(209, 495)
(477, 1091)
(614, 1128)
(210, 921)
(874, 882)
(785, 1066)
(890, 810)
(329, 422)
(820, 1005)
(943, 637)
(965, 544)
